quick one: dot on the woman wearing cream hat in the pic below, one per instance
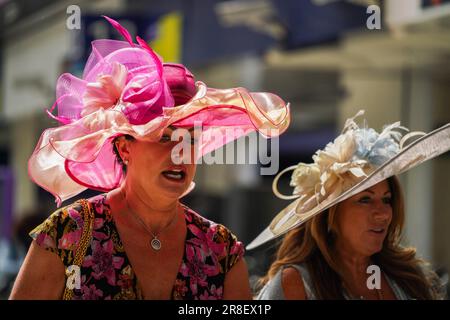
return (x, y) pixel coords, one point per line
(343, 229)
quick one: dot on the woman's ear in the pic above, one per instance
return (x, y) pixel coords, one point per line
(123, 146)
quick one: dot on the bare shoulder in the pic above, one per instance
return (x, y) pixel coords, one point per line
(42, 276)
(237, 285)
(292, 283)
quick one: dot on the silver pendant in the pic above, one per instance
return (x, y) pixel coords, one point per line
(156, 244)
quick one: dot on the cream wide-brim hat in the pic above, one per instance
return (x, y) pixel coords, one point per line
(422, 149)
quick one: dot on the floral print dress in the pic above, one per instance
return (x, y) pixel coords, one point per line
(211, 250)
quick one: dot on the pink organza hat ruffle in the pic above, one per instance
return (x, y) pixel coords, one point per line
(126, 89)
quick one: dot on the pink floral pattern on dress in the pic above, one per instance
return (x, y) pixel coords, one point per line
(91, 292)
(106, 273)
(102, 261)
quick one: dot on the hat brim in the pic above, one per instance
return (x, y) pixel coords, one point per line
(423, 149)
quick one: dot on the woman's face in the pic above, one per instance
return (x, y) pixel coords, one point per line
(363, 220)
(151, 168)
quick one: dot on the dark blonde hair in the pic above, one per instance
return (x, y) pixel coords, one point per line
(313, 245)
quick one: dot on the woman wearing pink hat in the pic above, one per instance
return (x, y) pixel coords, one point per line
(136, 240)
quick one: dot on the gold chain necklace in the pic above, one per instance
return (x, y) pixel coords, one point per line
(155, 243)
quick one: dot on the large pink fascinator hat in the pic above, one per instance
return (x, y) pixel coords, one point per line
(126, 89)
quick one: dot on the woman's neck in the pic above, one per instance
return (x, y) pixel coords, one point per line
(154, 211)
(353, 264)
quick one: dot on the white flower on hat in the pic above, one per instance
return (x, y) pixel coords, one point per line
(344, 162)
(305, 177)
(337, 162)
(340, 150)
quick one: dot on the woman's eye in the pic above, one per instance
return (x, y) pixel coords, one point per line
(387, 200)
(364, 200)
(164, 138)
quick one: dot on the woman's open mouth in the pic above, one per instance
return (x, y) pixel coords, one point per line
(379, 231)
(176, 175)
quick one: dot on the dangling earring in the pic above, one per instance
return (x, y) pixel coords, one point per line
(125, 162)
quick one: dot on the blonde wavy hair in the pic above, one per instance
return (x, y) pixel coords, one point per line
(313, 245)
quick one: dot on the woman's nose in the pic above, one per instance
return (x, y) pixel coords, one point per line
(181, 152)
(381, 211)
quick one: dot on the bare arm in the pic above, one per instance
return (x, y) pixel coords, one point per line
(42, 276)
(293, 287)
(237, 286)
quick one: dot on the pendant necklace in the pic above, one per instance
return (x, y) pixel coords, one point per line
(155, 243)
